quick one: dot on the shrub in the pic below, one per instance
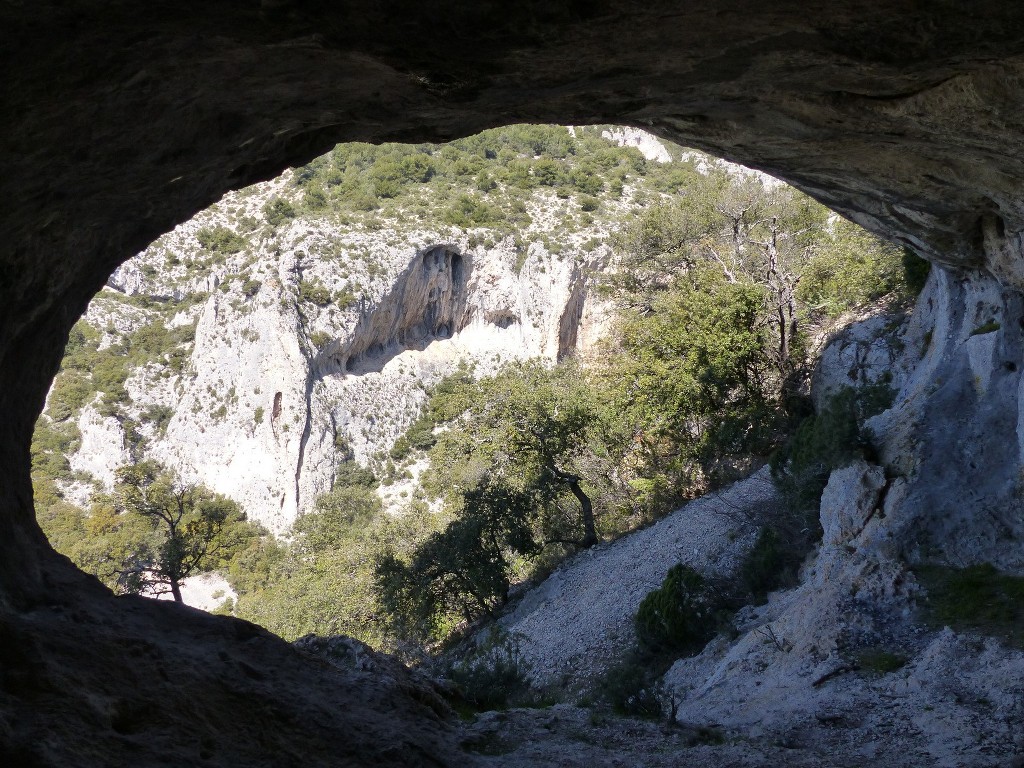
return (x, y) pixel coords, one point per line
(978, 598)
(681, 615)
(493, 675)
(315, 197)
(915, 272)
(631, 686)
(159, 416)
(770, 564)
(251, 287)
(828, 440)
(320, 339)
(315, 292)
(880, 661)
(220, 240)
(277, 211)
(349, 474)
(71, 391)
(469, 212)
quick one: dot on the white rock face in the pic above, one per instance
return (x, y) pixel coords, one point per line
(284, 383)
(101, 453)
(866, 352)
(648, 144)
(951, 448)
(850, 501)
(799, 670)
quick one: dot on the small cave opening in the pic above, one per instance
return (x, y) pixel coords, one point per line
(456, 261)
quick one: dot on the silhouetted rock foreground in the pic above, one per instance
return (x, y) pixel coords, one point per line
(122, 119)
(129, 681)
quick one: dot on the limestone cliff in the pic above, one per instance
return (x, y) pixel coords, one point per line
(315, 342)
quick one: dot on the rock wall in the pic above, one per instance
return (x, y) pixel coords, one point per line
(947, 490)
(282, 385)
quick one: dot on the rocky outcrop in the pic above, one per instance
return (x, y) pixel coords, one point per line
(947, 491)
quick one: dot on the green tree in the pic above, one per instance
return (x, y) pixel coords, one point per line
(529, 426)
(462, 572)
(690, 386)
(189, 523)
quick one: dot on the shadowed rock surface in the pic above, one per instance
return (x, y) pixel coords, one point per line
(122, 119)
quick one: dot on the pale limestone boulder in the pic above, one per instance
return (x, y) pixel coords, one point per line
(849, 502)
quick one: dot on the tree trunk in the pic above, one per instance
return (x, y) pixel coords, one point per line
(176, 591)
(587, 508)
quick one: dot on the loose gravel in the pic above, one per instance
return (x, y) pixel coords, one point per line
(579, 621)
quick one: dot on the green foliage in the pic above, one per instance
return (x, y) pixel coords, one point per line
(69, 394)
(467, 211)
(990, 327)
(851, 268)
(690, 385)
(462, 572)
(277, 211)
(880, 661)
(493, 674)
(159, 416)
(915, 272)
(828, 440)
(251, 287)
(681, 615)
(771, 563)
(530, 427)
(314, 292)
(191, 529)
(631, 686)
(323, 582)
(823, 442)
(220, 240)
(350, 474)
(979, 598)
(52, 442)
(320, 339)
(335, 519)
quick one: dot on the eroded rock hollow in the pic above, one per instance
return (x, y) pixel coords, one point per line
(122, 119)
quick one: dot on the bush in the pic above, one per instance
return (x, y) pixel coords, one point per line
(631, 686)
(159, 416)
(315, 292)
(978, 598)
(493, 675)
(220, 240)
(915, 272)
(770, 564)
(320, 339)
(681, 615)
(277, 211)
(828, 440)
(463, 572)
